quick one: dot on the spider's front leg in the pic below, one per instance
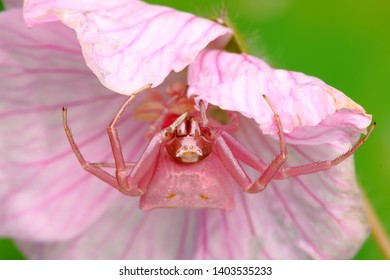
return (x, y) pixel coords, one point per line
(128, 184)
(273, 168)
(92, 168)
(230, 151)
(287, 172)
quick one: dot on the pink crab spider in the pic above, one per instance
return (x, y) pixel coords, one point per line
(190, 163)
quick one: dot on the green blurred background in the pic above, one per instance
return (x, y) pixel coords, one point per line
(345, 43)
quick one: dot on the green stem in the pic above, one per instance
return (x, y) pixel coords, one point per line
(237, 43)
(378, 230)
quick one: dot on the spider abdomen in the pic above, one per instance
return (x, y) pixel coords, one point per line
(176, 184)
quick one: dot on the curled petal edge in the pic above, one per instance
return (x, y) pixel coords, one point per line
(237, 82)
(128, 44)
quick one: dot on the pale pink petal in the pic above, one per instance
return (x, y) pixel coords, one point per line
(158, 234)
(318, 216)
(128, 44)
(311, 217)
(238, 81)
(132, 43)
(45, 195)
(126, 232)
(39, 11)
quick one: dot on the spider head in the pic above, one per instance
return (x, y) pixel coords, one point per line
(189, 142)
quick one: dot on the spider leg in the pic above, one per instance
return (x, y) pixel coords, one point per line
(230, 152)
(228, 149)
(292, 171)
(272, 169)
(112, 165)
(268, 171)
(147, 162)
(242, 154)
(120, 165)
(231, 163)
(235, 151)
(90, 167)
(203, 114)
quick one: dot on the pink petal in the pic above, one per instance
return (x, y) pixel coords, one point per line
(277, 223)
(315, 216)
(238, 81)
(125, 232)
(158, 234)
(39, 11)
(318, 216)
(128, 44)
(45, 195)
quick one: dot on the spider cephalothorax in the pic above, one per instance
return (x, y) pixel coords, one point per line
(192, 164)
(189, 142)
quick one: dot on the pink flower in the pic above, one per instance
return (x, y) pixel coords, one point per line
(55, 210)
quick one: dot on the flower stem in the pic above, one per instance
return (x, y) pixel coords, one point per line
(237, 44)
(378, 230)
